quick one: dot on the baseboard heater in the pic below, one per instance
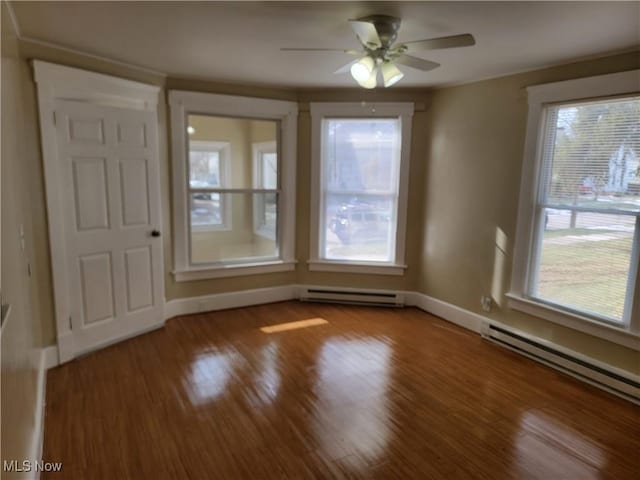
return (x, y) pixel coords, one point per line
(616, 382)
(352, 296)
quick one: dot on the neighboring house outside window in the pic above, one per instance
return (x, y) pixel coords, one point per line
(578, 241)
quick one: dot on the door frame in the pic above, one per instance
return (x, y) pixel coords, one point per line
(58, 82)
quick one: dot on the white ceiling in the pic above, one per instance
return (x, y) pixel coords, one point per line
(240, 42)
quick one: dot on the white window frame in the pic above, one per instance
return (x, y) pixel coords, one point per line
(319, 111)
(539, 96)
(257, 150)
(183, 103)
(224, 156)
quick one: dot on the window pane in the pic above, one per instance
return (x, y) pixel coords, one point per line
(206, 210)
(265, 214)
(360, 164)
(359, 229)
(592, 153)
(269, 171)
(361, 155)
(233, 139)
(584, 261)
(238, 241)
(204, 169)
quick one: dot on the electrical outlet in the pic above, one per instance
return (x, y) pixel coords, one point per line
(486, 303)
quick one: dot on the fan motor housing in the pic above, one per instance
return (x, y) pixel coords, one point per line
(386, 26)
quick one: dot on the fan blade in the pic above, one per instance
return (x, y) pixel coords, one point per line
(348, 52)
(346, 68)
(366, 32)
(415, 62)
(464, 40)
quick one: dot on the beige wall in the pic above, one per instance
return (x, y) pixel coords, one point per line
(21, 334)
(461, 137)
(476, 139)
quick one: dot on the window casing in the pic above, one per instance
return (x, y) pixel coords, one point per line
(360, 168)
(236, 197)
(578, 238)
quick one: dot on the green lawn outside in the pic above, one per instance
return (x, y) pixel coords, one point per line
(586, 275)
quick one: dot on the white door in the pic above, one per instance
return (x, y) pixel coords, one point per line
(109, 183)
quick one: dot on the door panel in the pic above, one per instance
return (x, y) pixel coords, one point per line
(134, 187)
(96, 281)
(132, 133)
(109, 177)
(86, 131)
(90, 187)
(139, 278)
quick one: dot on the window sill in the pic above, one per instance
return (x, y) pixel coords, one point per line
(264, 233)
(234, 270)
(210, 228)
(581, 323)
(372, 268)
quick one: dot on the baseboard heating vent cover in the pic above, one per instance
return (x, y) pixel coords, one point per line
(352, 296)
(623, 384)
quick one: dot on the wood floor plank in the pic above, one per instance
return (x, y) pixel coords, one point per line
(373, 393)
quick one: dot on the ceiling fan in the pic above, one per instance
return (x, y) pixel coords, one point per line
(376, 34)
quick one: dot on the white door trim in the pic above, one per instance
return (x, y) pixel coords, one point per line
(57, 82)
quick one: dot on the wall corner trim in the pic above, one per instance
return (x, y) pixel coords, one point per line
(51, 358)
(459, 316)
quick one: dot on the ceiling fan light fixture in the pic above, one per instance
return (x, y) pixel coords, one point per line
(390, 74)
(371, 81)
(362, 69)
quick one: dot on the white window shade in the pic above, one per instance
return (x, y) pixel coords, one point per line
(592, 155)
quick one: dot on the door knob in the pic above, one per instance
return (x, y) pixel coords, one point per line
(155, 233)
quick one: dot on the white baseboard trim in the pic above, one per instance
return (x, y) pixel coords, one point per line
(459, 316)
(51, 358)
(480, 324)
(222, 301)
(37, 435)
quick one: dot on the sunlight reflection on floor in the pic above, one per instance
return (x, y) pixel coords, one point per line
(567, 452)
(361, 428)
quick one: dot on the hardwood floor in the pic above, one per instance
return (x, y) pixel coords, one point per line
(373, 393)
